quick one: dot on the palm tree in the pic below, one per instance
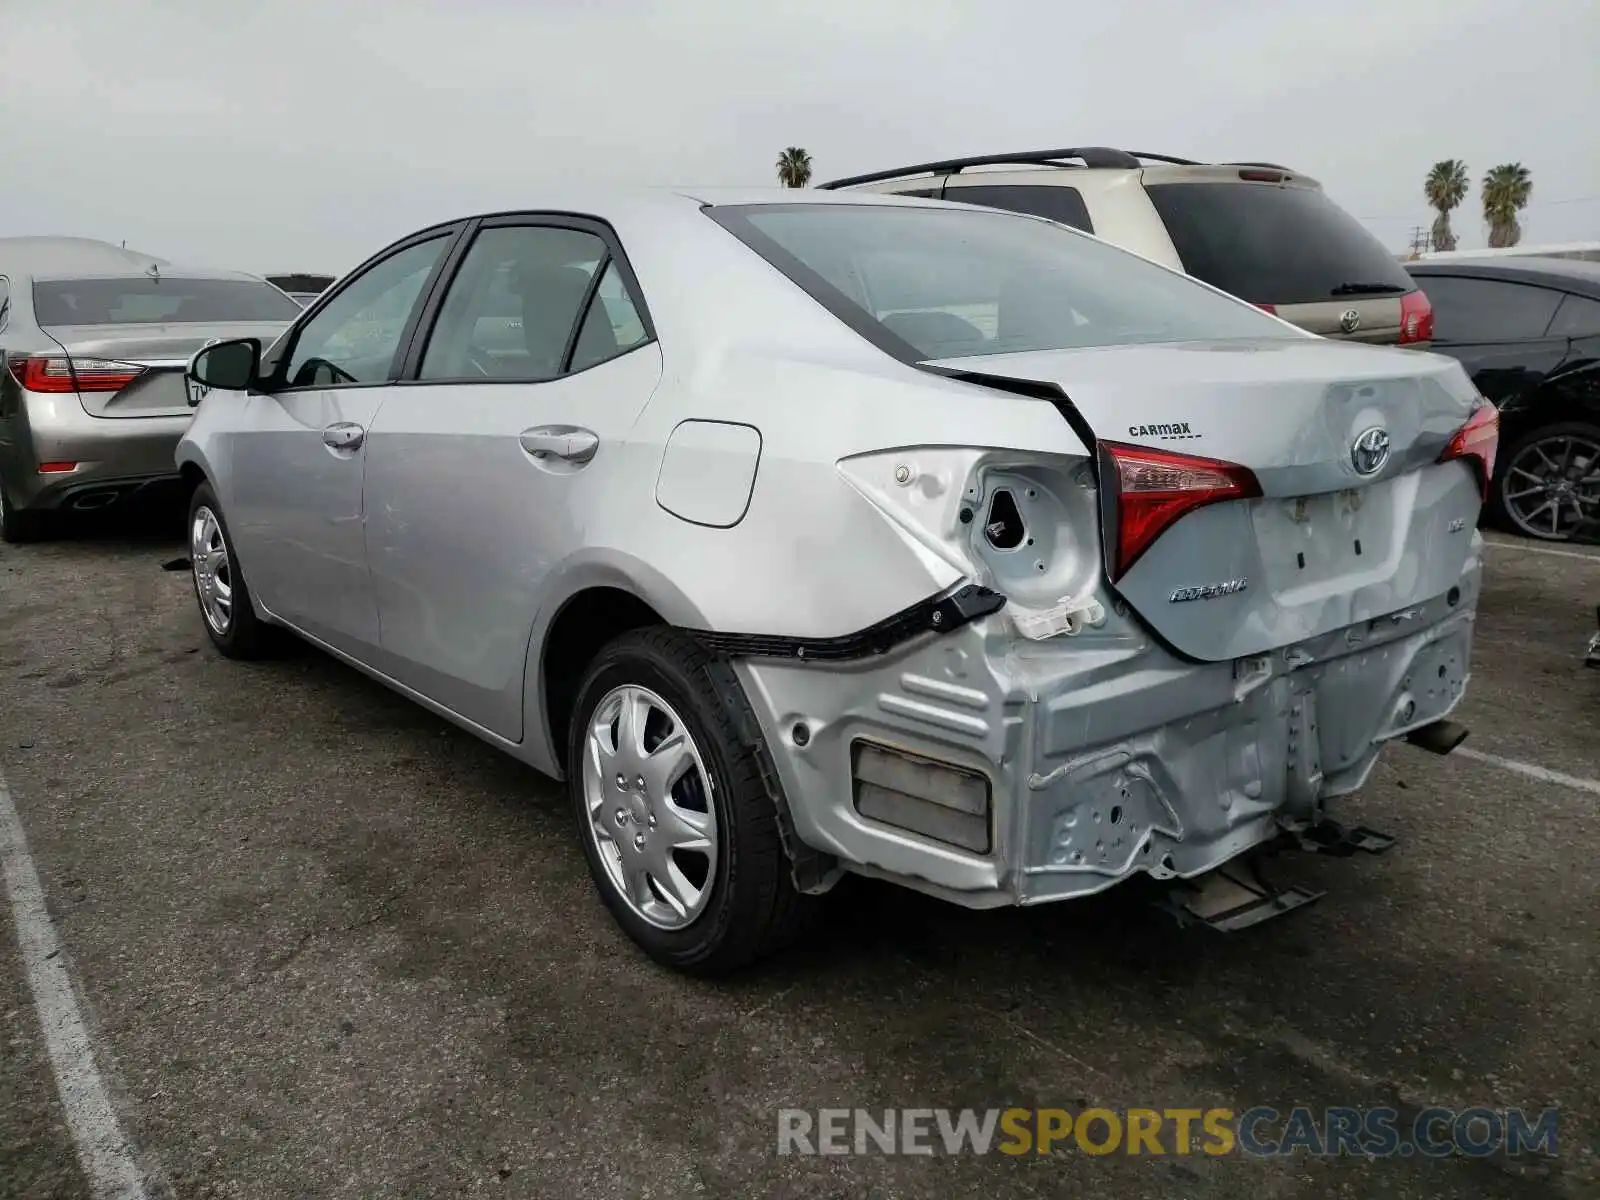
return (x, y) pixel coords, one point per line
(1506, 189)
(1445, 188)
(794, 168)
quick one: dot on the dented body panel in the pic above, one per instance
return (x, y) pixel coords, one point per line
(1108, 755)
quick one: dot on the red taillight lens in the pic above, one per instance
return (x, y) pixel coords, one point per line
(56, 373)
(1153, 488)
(1477, 441)
(1416, 318)
(57, 468)
(1267, 308)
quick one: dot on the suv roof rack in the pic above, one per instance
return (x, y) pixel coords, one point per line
(1167, 158)
(1089, 156)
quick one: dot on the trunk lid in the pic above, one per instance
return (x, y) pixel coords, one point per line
(1323, 546)
(161, 352)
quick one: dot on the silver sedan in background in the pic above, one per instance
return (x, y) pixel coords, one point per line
(93, 344)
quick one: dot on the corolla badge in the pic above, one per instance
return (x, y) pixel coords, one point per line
(1370, 451)
(1208, 591)
(1349, 320)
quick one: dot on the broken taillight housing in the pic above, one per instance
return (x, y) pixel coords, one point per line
(1476, 442)
(57, 373)
(1148, 490)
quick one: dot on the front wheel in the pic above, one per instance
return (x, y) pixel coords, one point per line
(219, 587)
(679, 830)
(1549, 483)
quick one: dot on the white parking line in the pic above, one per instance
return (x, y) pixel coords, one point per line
(1544, 774)
(103, 1150)
(1550, 550)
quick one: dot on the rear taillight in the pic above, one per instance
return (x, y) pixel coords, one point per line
(1267, 308)
(1150, 489)
(1476, 442)
(1416, 318)
(57, 373)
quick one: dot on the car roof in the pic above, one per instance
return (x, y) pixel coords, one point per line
(628, 205)
(71, 255)
(603, 202)
(1571, 273)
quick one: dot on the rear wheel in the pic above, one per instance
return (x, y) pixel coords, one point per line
(219, 587)
(19, 525)
(1549, 482)
(679, 830)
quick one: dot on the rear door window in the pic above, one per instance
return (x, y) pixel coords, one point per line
(511, 309)
(142, 300)
(1578, 317)
(1487, 310)
(1055, 203)
(1275, 245)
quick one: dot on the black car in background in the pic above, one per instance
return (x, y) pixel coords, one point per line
(1528, 332)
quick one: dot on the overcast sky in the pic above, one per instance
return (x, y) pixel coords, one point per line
(298, 135)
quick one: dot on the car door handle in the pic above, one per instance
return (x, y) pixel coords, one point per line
(566, 442)
(346, 435)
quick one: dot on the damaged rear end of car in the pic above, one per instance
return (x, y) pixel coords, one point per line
(1176, 641)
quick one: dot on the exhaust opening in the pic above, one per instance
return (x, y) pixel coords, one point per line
(93, 501)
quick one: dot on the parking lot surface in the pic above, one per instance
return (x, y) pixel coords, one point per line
(327, 945)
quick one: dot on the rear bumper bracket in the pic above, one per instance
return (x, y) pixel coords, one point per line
(1232, 898)
(1331, 838)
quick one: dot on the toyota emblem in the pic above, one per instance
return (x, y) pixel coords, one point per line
(1349, 320)
(1371, 451)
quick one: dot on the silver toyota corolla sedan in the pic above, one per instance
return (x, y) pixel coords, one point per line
(805, 534)
(93, 343)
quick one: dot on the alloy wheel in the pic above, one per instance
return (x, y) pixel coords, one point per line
(648, 798)
(213, 578)
(1552, 485)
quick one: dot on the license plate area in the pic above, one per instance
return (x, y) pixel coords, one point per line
(1308, 542)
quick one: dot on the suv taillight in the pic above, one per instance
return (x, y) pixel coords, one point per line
(1416, 318)
(57, 373)
(1477, 442)
(1148, 490)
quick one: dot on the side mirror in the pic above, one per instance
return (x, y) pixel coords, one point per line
(232, 366)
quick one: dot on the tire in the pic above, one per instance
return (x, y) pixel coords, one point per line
(1509, 511)
(20, 525)
(242, 635)
(749, 907)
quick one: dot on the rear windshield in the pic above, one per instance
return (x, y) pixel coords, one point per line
(958, 282)
(145, 301)
(1275, 245)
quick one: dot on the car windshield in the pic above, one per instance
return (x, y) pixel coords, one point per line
(141, 300)
(954, 283)
(1274, 245)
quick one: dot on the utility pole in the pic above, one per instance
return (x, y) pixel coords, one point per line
(1421, 240)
